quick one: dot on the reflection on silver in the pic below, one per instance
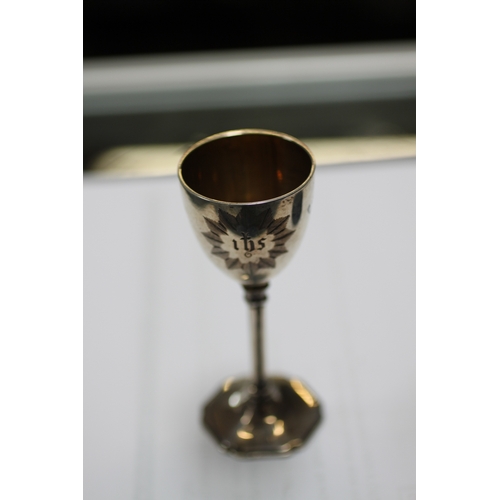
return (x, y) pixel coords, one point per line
(244, 434)
(247, 416)
(279, 428)
(235, 399)
(227, 384)
(299, 388)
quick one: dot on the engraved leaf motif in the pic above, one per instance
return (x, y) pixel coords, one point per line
(277, 225)
(265, 219)
(215, 227)
(283, 236)
(246, 221)
(277, 251)
(228, 220)
(267, 262)
(213, 238)
(220, 252)
(233, 264)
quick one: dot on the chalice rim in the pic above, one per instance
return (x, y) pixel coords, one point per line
(246, 131)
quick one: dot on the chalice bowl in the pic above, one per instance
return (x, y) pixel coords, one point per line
(248, 195)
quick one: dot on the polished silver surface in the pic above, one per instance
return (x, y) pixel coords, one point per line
(248, 196)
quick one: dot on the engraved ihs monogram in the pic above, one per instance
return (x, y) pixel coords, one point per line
(249, 245)
(247, 241)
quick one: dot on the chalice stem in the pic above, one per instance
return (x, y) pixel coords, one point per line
(256, 297)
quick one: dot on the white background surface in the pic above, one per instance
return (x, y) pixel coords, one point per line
(163, 327)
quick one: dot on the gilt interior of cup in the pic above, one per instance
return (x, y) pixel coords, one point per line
(247, 167)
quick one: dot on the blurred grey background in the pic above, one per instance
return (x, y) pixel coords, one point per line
(159, 72)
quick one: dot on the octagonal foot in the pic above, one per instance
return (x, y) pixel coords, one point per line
(272, 421)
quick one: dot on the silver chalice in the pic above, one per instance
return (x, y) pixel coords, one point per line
(248, 196)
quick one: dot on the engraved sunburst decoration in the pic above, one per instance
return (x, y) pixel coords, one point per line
(248, 241)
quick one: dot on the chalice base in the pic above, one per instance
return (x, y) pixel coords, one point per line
(271, 421)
